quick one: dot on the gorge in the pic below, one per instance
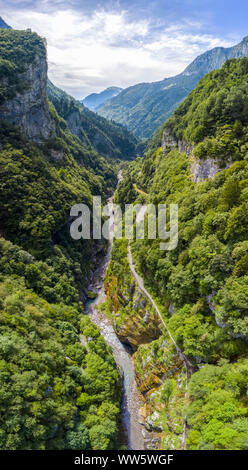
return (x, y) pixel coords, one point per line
(121, 344)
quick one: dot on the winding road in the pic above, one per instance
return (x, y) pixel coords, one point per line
(188, 365)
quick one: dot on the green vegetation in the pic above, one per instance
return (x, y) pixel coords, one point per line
(145, 106)
(203, 283)
(214, 116)
(161, 379)
(18, 50)
(106, 137)
(59, 384)
(134, 319)
(206, 268)
(158, 366)
(38, 190)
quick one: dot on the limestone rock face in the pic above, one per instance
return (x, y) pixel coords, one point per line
(134, 334)
(29, 110)
(203, 169)
(153, 422)
(141, 326)
(74, 122)
(168, 141)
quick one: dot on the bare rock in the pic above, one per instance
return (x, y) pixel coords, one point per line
(203, 169)
(153, 423)
(29, 110)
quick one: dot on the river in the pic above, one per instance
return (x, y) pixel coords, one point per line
(131, 402)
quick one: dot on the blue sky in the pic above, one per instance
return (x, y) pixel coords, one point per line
(95, 44)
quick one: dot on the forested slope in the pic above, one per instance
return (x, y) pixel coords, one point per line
(59, 389)
(203, 283)
(145, 106)
(94, 100)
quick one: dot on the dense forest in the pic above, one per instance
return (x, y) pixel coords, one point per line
(202, 285)
(106, 137)
(59, 383)
(60, 387)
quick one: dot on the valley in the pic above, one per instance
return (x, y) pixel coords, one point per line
(144, 107)
(131, 429)
(109, 345)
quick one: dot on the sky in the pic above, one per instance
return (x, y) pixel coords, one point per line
(96, 44)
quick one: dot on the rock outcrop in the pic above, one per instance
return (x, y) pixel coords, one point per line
(200, 169)
(107, 138)
(184, 147)
(168, 141)
(141, 325)
(29, 110)
(144, 107)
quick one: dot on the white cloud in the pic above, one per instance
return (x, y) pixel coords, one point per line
(89, 53)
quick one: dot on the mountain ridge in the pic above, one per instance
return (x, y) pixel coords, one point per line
(145, 106)
(202, 285)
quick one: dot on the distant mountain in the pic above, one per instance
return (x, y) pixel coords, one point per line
(95, 100)
(145, 106)
(107, 138)
(3, 24)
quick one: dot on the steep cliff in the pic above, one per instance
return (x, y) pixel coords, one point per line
(108, 138)
(29, 109)
(48, 168)
(55, 388)
(25, 102)
(211, 124)
(204, 169)
(161, 379)
(95, 100)
(200, 169)
(159, 369)
(134, 318)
